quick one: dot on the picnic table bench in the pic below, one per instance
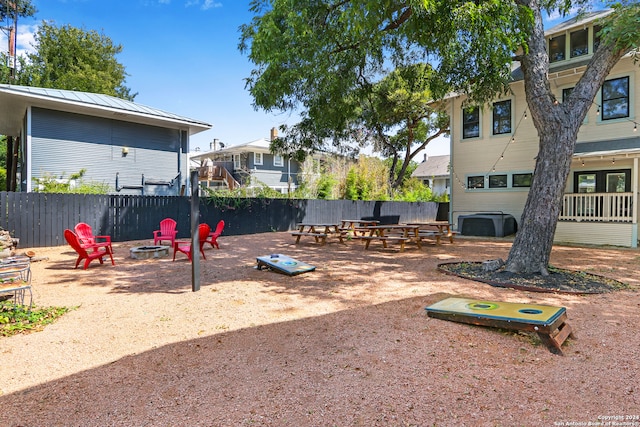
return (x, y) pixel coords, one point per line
(356, 228)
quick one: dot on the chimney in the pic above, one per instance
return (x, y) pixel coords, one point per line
(274, 133)
(425, 157)
(213, 144)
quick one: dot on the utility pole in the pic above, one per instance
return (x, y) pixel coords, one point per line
(12, 37)
(13, 40)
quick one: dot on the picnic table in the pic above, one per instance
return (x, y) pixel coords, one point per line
(357, 227)
(318, 231)
(437, 229)
(401, 233)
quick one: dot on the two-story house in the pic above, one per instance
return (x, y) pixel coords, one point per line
(250, 164)
(494, 148)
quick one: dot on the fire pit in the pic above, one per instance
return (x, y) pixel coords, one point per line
(146, 252)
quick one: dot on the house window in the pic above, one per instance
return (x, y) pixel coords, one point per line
(566, 93)
(579, 43)
(615, 98)
(521, 180)
(502, 117)
(236, 161)
(497, 181)
(475, 182)
(603, 181)
(471, 122)
(557, 48)
(277, 160)
(426, 182)
(257, 158)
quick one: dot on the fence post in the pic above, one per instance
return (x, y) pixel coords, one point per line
(195, 240)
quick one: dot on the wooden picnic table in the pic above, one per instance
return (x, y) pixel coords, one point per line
(318, 231)
(355, 226)
(437, 229)
(401, 233)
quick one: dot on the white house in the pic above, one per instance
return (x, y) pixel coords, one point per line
(434, 173)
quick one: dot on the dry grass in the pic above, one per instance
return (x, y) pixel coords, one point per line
(349, 344)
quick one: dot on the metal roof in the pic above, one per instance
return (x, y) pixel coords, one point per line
(14, 100)
(608, 147)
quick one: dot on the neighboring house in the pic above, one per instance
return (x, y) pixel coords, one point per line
(494, 148)
(133, 148)
(434, 173)
(250, 164)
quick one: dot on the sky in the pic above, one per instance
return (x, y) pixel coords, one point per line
(181, 56)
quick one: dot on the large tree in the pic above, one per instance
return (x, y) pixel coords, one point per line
(400, 119)
(312, 50)
(72, 58)
(394, 116)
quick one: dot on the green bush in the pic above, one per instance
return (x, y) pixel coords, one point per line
(50, 184)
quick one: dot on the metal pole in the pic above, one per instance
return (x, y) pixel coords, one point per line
(195, 239)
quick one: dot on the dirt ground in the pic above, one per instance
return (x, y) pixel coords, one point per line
(348, 344)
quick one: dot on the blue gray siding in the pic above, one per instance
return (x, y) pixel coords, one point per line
(274, 176)
(64, 143)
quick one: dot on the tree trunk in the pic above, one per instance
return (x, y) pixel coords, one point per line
(532, 247)
(558, 125)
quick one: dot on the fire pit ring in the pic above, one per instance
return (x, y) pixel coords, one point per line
(146, 252)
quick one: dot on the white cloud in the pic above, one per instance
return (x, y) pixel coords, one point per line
(207, 4)
(210, 4)
(26, 39)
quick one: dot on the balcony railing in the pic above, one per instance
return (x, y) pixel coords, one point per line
(600, 207)
(217, 173)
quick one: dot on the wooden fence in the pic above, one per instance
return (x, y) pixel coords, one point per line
(39, 219)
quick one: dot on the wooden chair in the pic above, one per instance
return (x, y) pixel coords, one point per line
(167, 232)
(88, 240)
(98, 252)
(213, 236)
(184, 246)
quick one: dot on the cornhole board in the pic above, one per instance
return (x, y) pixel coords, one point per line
(547, 321)
(283, 264)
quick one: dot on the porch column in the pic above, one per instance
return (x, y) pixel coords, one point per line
(634, 219)
(26, 175)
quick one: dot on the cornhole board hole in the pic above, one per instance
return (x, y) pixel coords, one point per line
(283, 264)
(547, 321)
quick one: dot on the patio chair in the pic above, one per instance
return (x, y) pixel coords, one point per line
(88, 240)
(184, 246)
(213, 236)
(167, 232)
(98, 252)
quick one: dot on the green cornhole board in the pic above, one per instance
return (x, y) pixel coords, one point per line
(283, 264)
(547, 321)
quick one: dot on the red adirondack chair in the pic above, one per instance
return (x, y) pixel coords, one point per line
(98, 252)
(184, 246)
(88, 240)
(213, 236)
(167, 232)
